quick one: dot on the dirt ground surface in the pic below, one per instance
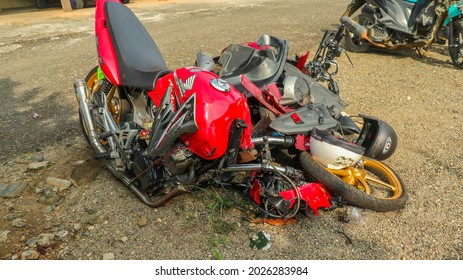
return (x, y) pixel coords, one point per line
(93, 216)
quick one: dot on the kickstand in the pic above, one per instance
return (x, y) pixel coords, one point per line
(421, 52)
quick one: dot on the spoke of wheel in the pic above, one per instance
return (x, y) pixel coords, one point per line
(382, 183)
(365, 184)
(340, 172)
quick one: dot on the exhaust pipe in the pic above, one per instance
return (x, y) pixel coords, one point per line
(145, 199)
(81, 92)
(355, 28)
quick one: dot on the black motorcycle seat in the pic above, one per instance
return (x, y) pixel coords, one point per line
(139, 59)
(261, 66)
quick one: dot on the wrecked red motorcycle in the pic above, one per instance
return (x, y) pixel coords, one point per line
(159, 131)
(286, 98)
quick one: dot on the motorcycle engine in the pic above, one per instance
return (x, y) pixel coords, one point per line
(425, 19)
(180, 160)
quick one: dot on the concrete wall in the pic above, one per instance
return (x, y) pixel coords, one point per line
(6, 4)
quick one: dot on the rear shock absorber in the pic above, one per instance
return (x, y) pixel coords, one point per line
(104, 89)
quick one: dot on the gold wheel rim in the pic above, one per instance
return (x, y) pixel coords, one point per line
(367, 182)
(112, 98)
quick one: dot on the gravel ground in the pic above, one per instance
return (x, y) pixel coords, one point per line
(92, 216)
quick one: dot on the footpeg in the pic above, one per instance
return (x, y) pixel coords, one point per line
(102, 155)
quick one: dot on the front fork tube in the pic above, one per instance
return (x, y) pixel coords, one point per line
(451, 37)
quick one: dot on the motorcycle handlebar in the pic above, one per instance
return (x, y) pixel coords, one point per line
(340, 33)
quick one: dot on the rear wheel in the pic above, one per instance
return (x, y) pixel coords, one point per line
(372, 186)
(456, 52)
(353, 42)
(118, 106)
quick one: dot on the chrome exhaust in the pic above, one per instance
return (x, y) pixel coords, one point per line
(145, 199)
(81, 92)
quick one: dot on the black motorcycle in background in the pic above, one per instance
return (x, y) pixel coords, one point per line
(399, 24)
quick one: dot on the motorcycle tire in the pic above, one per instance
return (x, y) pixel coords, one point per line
(41, 4)
(124, 106)
(456, 54)
(77, 4)
(353, 194)
(353, 42)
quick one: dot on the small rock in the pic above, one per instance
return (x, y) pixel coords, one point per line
(77, 226)
(19, 223)
(4, 236)
(45, 239)
(12, 216)
(49, 196)
(49, 209)
(142, 222)
(124, 239)
(13, 190)
(61, 184)
(40, 159)
(31, 242)
(91, 211)
(409, 98)
(30, 255)
(159, 221)
(14, 257)
(38, 165)
(62, 234)
(92, 219)
(91, 228)
(79, 162)
(108, 256)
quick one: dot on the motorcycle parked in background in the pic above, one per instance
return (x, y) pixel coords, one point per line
(286, 98)
(398, 24)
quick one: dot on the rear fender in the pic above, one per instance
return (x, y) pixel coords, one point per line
(105, 49)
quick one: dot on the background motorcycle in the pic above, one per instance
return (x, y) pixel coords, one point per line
(158, 130)
(285, 101)
(397, 24)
